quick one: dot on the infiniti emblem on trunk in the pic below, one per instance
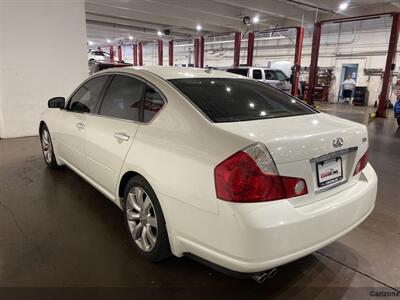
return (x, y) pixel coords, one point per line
(338, 142)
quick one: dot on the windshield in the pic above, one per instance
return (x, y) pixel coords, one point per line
(280, 75)
(233, 100)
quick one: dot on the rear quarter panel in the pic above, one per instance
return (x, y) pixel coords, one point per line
(178, 151)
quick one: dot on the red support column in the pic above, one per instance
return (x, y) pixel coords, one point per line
(201, 51)
(250, 49)
(160, 52)
(134, 46)
(297, 60)
(196, 52)
(312, 78)
(171, 53)
(119, 53)
(236, 50)
(140, 53)
(390, 60)
(111, 53)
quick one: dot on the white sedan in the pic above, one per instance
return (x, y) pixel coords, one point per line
(213, 165)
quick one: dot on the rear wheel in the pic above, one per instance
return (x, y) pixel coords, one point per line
(47, 148)
(145, 221)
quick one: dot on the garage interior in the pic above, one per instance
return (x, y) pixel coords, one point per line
(58, 232)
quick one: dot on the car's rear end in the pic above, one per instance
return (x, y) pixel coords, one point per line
(311, 194)
(302, 182)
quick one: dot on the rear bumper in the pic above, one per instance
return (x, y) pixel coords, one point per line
(256, 237)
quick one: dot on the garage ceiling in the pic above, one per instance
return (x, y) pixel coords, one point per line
(116, 20)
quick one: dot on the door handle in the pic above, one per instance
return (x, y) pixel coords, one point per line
(121, 136)
(80, 125)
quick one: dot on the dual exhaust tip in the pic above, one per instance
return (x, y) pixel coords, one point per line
(261, 277)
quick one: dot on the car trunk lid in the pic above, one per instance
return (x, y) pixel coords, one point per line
(307, 146)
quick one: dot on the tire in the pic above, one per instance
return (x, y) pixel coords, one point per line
(47, 148)
(144, 220)
(398, 121)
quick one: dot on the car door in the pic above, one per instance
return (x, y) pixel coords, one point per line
(71, 125)
(111, 132)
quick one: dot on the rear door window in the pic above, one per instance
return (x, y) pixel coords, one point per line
(257, 74)
(122, 99)
(234, 100)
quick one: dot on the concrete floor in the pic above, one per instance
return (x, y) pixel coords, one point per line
(58, 231)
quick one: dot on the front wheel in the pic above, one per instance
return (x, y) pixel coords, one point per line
(47, 148)
(145, 221)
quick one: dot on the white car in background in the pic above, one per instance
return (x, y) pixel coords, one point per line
(270, 76)
(99, 56)
(213, 165)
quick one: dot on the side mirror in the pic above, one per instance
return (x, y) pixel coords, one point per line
(56, 102)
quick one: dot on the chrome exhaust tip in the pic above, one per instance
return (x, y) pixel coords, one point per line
(261, 277)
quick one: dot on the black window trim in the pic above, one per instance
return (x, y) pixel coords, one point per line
(106, 86)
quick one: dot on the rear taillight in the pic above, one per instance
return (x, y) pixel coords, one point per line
(250, 175)
(362, 163)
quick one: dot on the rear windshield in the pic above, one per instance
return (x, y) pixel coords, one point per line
(242, 72)
(233, 100)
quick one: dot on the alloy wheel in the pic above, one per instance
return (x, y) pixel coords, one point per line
(141, 219)
(47, 146)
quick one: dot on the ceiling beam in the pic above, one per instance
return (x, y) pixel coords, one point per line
(274, 8)
(163, 15)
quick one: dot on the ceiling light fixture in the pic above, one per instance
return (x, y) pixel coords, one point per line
(90, 43)
(343, 5)
(108, 41)
(256, 19)
(198, 27)
(159, 33)
(131, 37)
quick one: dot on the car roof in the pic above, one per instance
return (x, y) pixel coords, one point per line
(166, 72)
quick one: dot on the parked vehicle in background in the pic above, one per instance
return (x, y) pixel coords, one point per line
(284, 66)
(273, 77)
(278, 79)
(100, 60)
(99, 55)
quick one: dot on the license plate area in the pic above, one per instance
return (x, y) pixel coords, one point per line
(329, 171)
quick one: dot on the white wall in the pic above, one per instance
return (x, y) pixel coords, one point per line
(42, 54)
